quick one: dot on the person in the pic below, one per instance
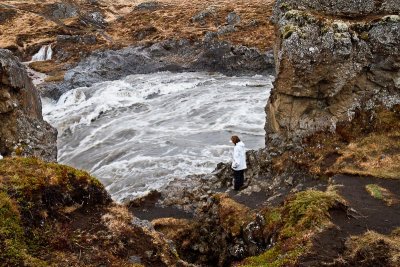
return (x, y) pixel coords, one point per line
(239, 162)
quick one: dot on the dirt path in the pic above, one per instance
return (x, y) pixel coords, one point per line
(369, 214)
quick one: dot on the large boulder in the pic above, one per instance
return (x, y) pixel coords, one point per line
(327, 67)
(23, 130)
(346, 8)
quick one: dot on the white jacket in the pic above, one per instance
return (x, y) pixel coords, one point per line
(239, 157)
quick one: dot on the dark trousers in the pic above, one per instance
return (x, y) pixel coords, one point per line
(238, 179)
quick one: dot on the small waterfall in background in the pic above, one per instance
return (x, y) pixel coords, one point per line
(45, 53)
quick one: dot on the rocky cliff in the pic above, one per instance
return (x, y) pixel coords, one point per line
(54, 215)
(76, 28)
(332, 60)
(23, 130)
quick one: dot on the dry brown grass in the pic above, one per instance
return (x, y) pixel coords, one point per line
(117, 219)
(174, 21)
(376, 155)
(362, 147)
(28, 30)
(374, 249)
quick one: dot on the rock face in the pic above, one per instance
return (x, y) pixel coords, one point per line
(170, 55)
(54, 215)
(23, 130)
(328, 65)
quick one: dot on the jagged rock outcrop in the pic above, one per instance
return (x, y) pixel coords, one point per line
(55, 215)
(169, 55)
(23, 130)
(330, 61)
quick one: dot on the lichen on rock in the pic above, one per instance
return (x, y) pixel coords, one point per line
(23, 130)
(327, 66)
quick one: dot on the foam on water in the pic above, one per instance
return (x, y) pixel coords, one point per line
(137, 133)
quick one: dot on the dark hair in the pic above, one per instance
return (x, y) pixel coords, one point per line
(235, 139)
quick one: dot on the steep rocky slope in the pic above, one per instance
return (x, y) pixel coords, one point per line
(333, 125)
(23, 130)
(76, 28)
(54, 215)
(332, 61)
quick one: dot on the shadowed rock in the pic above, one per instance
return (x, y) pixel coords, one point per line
(23, 130)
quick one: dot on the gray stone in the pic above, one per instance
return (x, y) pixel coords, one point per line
(203, 15)
(95, 19)
(23, 131)
(233, 18)
(170, 55)
(62, 10)
(135, 260)
(326, 67)
(223, 30)
(148, 6)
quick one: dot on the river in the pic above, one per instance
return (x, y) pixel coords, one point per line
(137, 133)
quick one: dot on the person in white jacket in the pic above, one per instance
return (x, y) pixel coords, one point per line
(239, 162)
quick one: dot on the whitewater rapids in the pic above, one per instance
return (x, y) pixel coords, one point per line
(138, 133)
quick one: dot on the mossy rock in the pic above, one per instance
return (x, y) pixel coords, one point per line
(33, 195)
(302, 215)
(288, 30)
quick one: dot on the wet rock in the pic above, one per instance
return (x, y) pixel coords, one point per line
(23, 131)
(223, 230)
(171, 55)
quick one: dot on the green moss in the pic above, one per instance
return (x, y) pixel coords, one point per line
(32, 192)
(285, 6)
(288, 30)
(309, 209)
(300, 17)
(364, 36)
(325, 29)
(13, 250)
(294, 224)
(381, 193)
(30, 174)
(274, 216)
(374, 190)
(275, 257)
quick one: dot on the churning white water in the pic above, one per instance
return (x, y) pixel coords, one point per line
(44, 53)
(137, 133)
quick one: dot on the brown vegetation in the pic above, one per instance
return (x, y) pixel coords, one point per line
(369, 145)
(55, 215)
(34, 25)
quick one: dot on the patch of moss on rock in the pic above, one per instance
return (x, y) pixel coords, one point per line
(32, 194)
(302, 216)
(288, 30)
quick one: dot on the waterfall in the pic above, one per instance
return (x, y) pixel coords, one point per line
(45, 53)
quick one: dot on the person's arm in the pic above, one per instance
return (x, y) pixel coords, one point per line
(236, 157)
